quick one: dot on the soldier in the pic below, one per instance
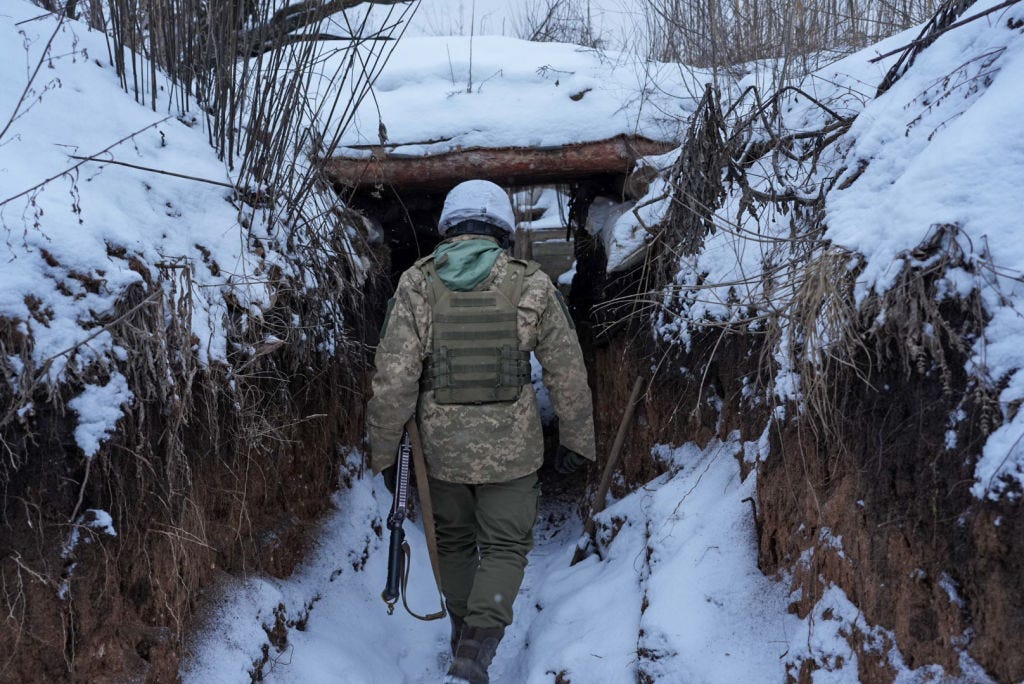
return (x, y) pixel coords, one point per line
(455, 350)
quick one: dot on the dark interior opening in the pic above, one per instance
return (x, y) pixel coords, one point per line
(408, 219)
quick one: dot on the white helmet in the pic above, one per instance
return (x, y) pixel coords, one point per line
(477, 200)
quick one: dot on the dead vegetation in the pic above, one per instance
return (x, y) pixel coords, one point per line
(215, 463)
(727, 34)
(207, 460)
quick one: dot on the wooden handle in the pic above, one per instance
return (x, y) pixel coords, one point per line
(609, 468)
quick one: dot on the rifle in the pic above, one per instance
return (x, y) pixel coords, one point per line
(398, 549)
(399, 554)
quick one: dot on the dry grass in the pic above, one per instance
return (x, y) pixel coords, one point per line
(723, 34)
(800, 297)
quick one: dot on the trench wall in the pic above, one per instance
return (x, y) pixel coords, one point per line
(941, 571)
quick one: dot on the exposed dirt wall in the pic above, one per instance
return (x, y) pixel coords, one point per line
(212, 469)
(675, 406)
(233, 504)
(921, 556)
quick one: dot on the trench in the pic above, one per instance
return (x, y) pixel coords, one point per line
(677, 408)
(702, 407)
(351, 544)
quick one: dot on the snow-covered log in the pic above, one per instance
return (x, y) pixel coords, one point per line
(503, 165)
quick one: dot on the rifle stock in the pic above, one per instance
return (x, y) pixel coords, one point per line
(396, 563)
(399, 556)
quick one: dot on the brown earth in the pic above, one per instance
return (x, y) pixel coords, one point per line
(243, 507)
(924, 558)
(212, 470)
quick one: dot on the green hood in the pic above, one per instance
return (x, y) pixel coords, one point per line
(461, 265)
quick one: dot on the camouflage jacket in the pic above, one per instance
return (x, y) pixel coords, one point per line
(476, 444)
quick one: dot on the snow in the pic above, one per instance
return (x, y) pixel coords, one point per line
(99, 408)
(552, 203)
(940, 150)
(492, 91)
(629, 227)
(101, 520)
(348, 637)
(676, 595)
(943, 148)
(92, 518)
(712, 616)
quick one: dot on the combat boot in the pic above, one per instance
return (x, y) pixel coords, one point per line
(474, 654)
(458, 624)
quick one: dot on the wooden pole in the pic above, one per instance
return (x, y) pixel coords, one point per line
(606, 477)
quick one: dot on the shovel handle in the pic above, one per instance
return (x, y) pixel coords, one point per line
(609, 468)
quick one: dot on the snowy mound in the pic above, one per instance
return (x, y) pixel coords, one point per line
(441, 94)
(942, 151)
(78, 231)
(934, 163)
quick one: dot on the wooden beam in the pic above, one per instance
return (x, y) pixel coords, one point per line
(507, 166)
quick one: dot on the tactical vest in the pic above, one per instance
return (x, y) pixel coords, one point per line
(475, 356)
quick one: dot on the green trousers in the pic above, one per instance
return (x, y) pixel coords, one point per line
(483, 535)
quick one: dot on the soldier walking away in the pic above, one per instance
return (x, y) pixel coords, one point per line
(455, 351)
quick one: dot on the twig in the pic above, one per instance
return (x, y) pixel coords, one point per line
(44, 367)
(932, 36)
(72, 168)
(35, 18)
(81, 490)
(32, 78)
(151, 169)
(606, 477)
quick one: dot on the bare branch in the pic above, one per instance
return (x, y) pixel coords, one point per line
(275, 33)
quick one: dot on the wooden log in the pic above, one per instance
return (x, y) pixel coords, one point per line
(506, 166)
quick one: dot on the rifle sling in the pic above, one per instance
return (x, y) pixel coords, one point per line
(428, 525)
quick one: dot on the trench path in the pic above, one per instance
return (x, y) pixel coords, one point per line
(341, 632)
(678, 597)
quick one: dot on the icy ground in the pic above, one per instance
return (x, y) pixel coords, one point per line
(678, 597)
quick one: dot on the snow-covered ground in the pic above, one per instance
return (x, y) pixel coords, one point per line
(78, 228)
(677, 596)
(937, 156)
(686, 549)
(76, 234)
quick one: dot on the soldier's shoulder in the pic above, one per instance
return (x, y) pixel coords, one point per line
(537, 279)
(528, 265)
(533, 277)
(537, 290)
(414, 277)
